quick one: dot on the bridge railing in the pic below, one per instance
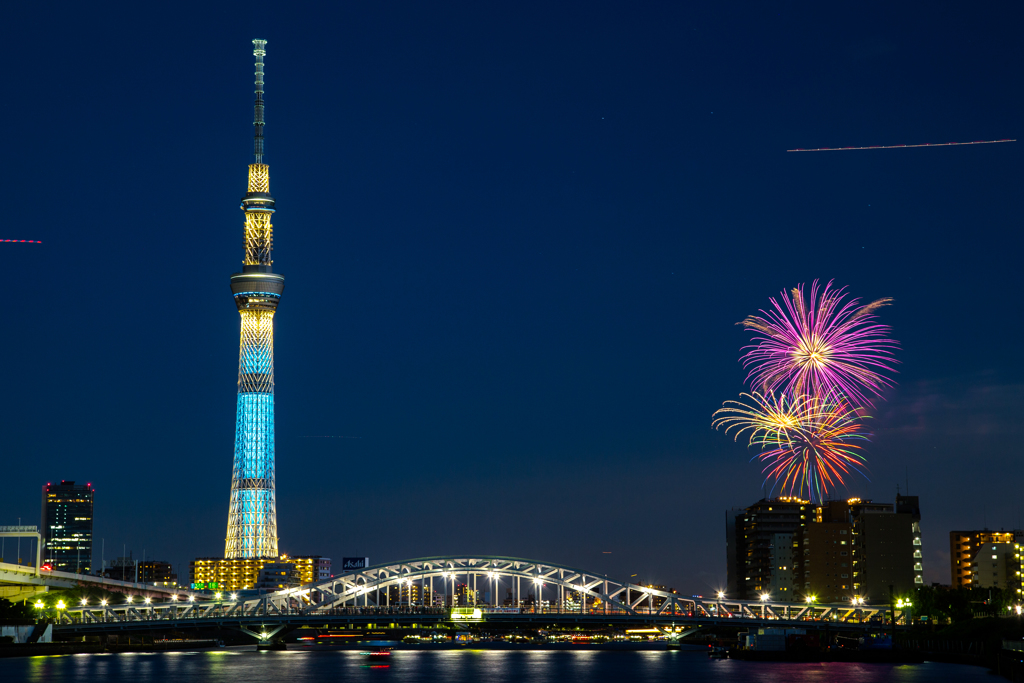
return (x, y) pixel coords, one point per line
(210, 612)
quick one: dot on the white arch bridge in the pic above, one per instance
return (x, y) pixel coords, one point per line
(512, 590)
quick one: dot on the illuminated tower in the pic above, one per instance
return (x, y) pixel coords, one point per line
(252, 515)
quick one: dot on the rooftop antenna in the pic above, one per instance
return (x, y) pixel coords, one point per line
(259, 51)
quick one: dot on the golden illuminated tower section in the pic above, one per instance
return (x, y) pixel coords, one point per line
(252, 515)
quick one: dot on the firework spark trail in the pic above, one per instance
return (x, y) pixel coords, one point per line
(808, 444)
(26, 241)
(926, 144)
(769, 416)
(821, 346)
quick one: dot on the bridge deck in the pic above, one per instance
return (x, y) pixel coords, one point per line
(139, 621)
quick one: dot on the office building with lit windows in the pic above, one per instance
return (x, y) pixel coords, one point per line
(67, 526)
(234, 573)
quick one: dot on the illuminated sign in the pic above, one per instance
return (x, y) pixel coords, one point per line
(353, 563)
(467, 614)
(206, 586)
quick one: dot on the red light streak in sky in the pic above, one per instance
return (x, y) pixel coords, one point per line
(927, 144)
(27, 241)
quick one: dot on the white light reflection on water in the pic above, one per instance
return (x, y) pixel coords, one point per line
(459, 666)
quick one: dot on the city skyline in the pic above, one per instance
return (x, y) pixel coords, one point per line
(517, 251)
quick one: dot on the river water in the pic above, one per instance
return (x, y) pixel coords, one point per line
(457, 666)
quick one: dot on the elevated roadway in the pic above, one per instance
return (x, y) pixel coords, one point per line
(19, 582)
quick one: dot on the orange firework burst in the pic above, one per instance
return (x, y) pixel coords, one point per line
(808, 443)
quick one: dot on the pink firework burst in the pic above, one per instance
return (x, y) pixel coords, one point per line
(823, 345)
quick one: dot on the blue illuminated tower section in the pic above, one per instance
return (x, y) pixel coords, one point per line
(252, 515)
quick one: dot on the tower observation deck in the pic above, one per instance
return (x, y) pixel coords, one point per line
(252, 514)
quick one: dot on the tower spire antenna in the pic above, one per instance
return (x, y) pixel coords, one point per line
(259, 51)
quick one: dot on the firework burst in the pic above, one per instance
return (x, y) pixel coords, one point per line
(808, 444)
(822, 346)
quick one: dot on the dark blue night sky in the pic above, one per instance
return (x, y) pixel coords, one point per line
(517, 238)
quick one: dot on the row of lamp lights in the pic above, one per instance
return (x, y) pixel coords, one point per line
(129, 600)
(856, 600)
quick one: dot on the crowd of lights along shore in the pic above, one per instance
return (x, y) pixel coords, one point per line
(252, 515)
(816, 364)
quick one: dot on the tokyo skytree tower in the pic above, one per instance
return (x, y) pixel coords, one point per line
(252, 514)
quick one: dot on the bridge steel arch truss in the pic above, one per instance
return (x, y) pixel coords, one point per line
(370, 590)
(548, 581)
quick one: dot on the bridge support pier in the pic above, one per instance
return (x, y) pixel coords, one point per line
(265, 639)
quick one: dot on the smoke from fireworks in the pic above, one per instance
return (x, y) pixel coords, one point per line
(825, 345)
(807, 443)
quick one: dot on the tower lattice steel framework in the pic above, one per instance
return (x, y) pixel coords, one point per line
(252, 515)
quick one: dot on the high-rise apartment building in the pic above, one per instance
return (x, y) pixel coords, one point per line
(823, 562)
(790, 549)
(759, 542)
(67, 526)
(252, 512)
(986, 559)
(856, 548)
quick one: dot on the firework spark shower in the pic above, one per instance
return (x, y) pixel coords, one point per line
(807, 444)
(822, 345)
(815, 365)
